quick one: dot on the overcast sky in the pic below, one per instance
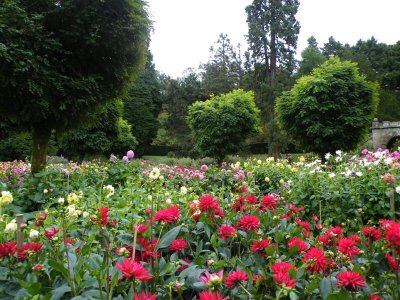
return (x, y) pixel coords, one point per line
(184, 30)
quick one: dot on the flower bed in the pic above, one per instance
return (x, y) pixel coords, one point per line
(133, 230)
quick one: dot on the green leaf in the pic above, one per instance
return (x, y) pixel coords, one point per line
(168, 238)
(3, 273)
(293, 296)
(59, 268)
(325, 287)
(59, 292)
(125, 238)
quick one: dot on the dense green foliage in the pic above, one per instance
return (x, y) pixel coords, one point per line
(142, 106)
(378, 62)
(221, 124)
(329, 110)
(59, 61)
(177, 96)
(109, 135)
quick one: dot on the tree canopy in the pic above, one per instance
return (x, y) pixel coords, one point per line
(330, 109)
(221, 124)
(61, 60)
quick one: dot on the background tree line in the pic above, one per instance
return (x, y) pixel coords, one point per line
(153, 110)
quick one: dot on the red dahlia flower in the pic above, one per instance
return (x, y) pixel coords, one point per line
(316, 260)
(269, 202)
(235, 278)
(178, 245)
(104, 215)
(51, 233)
(350, 280)
(304, 224)
(141, 228)
(130, 268)
(375, 297)
(347, 247)
(371, 232)
(282, 267)
(208, 203)
(226, 231)
(8, 248)
(168, 215)
(283, 278)
(393, 263)
(259, 246)
(294, 208)
(247, 223)
(28, 249)
(393, 234)
(251, 199)
(335, 231)
(295, 241)
(207, 295)
(144, 296)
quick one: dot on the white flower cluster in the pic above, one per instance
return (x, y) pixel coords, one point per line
(72, 211)
(74, 197)
(6, 198)
(154, 174)
(108, 190)
(11, 227)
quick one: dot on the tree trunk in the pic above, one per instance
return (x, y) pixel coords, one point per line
(40, 138)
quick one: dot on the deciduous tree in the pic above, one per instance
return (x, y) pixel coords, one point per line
(331, 109)
(61, 60)
(222, 124)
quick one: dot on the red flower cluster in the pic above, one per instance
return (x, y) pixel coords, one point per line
(178, 245)
(132, 269)
(372, 233)
(235, 277)
(350, 280)
(295, 241)
(260, 246)
(226, 231)
(168, 215)
(347, 247)
(392, 234)
(247, 223)
(251, 199)
(281, 274)
(393, 263)
(148, 249)
(28, 249)
(104, 215)
(335, 231)
(293, 208)
(51, 233)
(8, 248)
(305, 225)
(207, 295)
